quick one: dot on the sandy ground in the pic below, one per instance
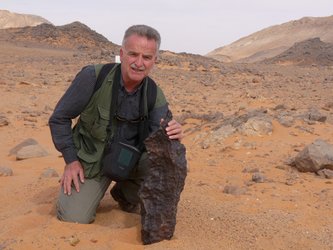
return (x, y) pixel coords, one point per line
(288, 210)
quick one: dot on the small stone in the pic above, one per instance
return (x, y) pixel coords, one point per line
(49, 173)
(290, 182)
(258, 178)
(73, 240)
(282, 167)
(250, 170)
(5, 171)
(3, 121)
(326, 173)
(234, 190)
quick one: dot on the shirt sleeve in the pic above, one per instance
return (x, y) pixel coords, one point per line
(71, 104)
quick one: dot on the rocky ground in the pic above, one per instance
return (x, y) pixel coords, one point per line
(243, 123)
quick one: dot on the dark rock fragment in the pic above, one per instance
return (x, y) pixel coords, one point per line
(160, 192)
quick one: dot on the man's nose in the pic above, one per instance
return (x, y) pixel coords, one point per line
(139, 61)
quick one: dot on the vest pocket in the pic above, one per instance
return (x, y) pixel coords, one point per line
(89, 158)
(99, 127)
(89, 163)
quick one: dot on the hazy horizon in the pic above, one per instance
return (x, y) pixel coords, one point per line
(186, 26)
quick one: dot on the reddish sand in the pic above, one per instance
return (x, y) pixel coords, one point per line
(289, 210)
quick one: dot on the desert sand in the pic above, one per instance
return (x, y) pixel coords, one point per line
(222, 205)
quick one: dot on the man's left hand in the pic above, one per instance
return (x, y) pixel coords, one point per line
(174, 130)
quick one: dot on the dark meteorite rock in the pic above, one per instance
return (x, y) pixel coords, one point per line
(161, 189)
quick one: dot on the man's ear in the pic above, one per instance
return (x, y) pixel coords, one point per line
(121, 52)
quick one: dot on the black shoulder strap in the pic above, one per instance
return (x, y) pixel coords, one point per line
(102, 74)
(113, 104)
(151, 99)
(151, 94)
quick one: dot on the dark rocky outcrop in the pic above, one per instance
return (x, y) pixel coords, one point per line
(309, 52)
(75, 35)
(160, 192)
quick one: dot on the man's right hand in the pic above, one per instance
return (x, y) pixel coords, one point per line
(72, 173)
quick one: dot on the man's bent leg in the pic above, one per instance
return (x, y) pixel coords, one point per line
(130, 187)
(81, 207)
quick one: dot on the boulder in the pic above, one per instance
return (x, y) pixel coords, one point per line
(314, 157)
(31, 151)
(161, 189)
(26, 142)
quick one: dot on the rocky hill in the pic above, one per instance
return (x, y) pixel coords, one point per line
(13, 20)
(309, 52)
(71, 36)
(274, 40)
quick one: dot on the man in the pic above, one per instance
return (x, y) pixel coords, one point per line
(82, 184)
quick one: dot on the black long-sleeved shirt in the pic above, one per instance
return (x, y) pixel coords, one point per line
(75, 99)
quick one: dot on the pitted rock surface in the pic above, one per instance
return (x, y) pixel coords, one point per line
(160, 192)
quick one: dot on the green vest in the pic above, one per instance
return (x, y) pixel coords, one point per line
(90, 132)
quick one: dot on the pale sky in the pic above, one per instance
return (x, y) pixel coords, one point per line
(190, 26)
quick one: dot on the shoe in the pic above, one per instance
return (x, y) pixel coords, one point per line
(123, 203)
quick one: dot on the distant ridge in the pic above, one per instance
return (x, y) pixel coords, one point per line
(14, 20)
(273, 40)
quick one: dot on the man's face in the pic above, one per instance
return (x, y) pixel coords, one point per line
(138, 57)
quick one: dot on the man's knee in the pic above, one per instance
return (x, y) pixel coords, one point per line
(81, 207)
(72, 214)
